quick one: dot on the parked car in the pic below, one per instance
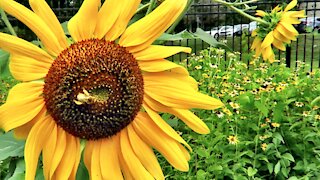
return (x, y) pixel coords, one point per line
(252, 26)
(226, 31)
(309, 24)
(214, 32)
(239, 28)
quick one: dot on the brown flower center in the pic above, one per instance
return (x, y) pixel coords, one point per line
(94, 89)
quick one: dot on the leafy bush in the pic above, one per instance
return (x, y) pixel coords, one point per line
(269, 127)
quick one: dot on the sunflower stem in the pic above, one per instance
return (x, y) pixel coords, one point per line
(4, 17)
(143, 7)
(241, 12)
(151, 5)
(173, 26)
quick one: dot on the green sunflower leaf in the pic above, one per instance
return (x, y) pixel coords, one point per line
(10, 147)
(4, 63)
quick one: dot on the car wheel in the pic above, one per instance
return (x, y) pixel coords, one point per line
(216, 35)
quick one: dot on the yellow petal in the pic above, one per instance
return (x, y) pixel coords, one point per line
(27, 100)
(277, 35)
(267, 40)
(285, 32)
(151, 134)
(107, 16)
(289, 27)
(172, 92)
(267, 53)
(82, 25)
(288, 17)
(256, 43)
(124, 167)
(154, 52)
(42, 9)
(276, 9)
(291, 5)
(35, 23)
(260, 13)
(184, 151)
(185, 115)
(58, 152)
(77, 160)
(124, 14)
(48, 151)
(145, 154)
(27, 69)
(278, 44)
(110, 168)
(95, 161)
(87, 156)
(298, 14)
(22, 132)
(68, 159)
(136, 168)
(36, 140)
(143, 32)
(18, 46)
(166, 128)
(161, 65)
(254, 33)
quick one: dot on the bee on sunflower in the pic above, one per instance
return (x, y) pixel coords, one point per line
(275, 29)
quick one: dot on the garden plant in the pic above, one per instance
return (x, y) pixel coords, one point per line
(96, 98)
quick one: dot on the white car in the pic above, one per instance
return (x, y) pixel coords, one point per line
(221, 31)
(239, 28)
(252, 26)
(309, 23)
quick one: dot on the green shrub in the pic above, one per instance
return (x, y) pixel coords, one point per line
(269, 127)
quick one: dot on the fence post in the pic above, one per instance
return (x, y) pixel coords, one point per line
(288, 56)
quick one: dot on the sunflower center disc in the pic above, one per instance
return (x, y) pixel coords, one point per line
(94, 89)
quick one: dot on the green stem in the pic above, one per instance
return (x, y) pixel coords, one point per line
(151, 5)
(173, 26)
(4, 17)
(142, 7)
(317, 99)
(232, 6)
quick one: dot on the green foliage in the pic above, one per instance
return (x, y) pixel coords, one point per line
(269, 127)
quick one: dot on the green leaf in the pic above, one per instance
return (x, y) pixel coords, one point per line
(202, 153)
(65, 28)
(209, 39)
(288, 156)
(215, 168)
(278, 111)
(278, 137)
(277, 167)
(4, 63)
(293, 178)
(252, 171)
(19, 171)
(261, 107)
(201, 174)
(82, 173)
(285, 171)
(270, 167)
(176, 37)
(10, 147)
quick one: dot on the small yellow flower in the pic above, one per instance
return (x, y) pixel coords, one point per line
(205, 75)
(275, 125)
(305, 113)
(267, 120)
(234, 105)
(277, 32)
(280, 88)
(299, 104)
(263, 125)
(227, 111)
(264, 146)
(317, 117)
(198, 67)
(233, 140)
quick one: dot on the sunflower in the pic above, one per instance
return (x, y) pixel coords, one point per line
(277, 32)
(105, 90)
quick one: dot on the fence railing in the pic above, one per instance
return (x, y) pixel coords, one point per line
(208, 15)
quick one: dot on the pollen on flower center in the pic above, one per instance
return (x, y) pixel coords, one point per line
(94, 89)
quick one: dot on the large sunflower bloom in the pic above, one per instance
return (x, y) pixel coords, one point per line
(105, 89)
(279, 32)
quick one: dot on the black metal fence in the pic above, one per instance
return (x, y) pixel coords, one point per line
(208, 15)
